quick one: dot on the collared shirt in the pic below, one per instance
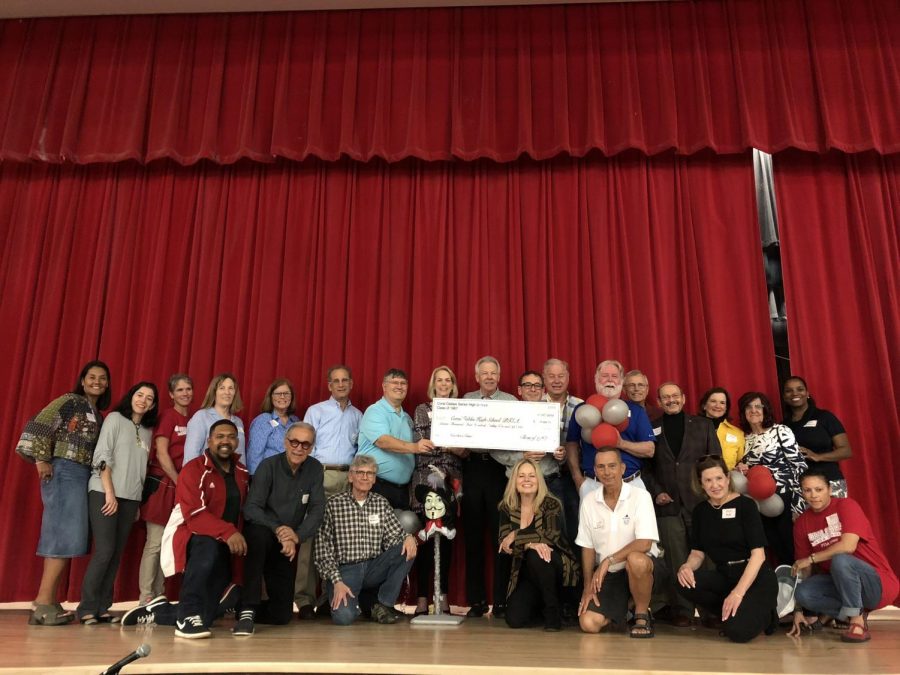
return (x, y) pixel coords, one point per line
(279, 496)
(353, 532)
(198, 433)
(381, 419)
(638, 430)
(566, 412)
(124, 448)
(266, 438)
(337, 431)
(606, 530)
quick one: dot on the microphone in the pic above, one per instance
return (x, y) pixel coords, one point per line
(138, 653)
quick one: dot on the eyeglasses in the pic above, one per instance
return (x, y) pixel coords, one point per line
(364, 474)
(281, 394)
(754, 406)
(635, 385)
(398, 383)
(530, 385)
(294, 443)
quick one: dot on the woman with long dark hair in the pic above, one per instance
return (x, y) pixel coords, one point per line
(716, 405)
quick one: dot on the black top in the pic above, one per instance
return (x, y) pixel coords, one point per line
(727, 533)
(232, 511)
(673, 427)
(278, 496)
(814, 431)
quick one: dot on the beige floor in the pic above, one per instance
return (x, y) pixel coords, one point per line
(478, 645)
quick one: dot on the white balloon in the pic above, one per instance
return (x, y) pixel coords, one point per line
(587, 416)
(615, 411)
(771, 506)
(739, 481)
(586, 435)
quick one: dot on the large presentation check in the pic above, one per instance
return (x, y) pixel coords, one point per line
(495, 425)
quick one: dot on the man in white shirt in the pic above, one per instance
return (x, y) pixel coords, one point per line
(619, 553)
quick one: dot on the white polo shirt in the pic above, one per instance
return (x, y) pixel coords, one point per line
(607, 531)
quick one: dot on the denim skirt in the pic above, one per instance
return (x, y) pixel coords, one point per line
(64, 525)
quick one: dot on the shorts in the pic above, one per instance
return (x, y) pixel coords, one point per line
(615, 593)
(64, 524)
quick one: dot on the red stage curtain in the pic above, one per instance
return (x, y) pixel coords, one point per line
(454, 83)
(840, 225)
(283, 269)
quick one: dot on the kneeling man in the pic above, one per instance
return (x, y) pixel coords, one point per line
(284, 510)
(619, 553)
(361, 549)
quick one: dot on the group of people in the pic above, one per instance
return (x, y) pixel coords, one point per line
(619, 535)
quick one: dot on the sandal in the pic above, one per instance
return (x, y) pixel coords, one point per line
(89, 620)
(50, 615)
(642, 630)
(856, 634)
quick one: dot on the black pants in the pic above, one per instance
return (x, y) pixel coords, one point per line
(756, 609)
(397, 495)
(207, 573)
(266, 561)
(536, 595)
(425, 566)
(484, 481)
(110, 537)
(780, 533)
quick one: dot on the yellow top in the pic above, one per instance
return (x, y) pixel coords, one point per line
(732, 441)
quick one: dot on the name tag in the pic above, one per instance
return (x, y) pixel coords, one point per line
(657, 431)
(90, 417)
(730, 438)
(728, 514)
(304, 499)
(181, 431)
(429, 414)
(599, 525)
(811, 423)
(273, 423)
(374, 519)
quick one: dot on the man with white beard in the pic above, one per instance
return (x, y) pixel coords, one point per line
(635, 442)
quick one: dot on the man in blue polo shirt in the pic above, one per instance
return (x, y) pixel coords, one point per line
(635, 442)
(386, 433)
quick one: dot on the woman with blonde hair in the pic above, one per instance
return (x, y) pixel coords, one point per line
(222, 401)
(531, 531)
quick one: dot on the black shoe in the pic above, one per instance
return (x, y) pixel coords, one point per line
(773, 624)
(498, 611)
(306, 613)
(244, 626)
(477, 610)
(143, 613)
(323, 610)
(569, 615)
(383, 614)
(191, 628)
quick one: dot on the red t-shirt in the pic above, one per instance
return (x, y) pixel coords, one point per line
(172, 425)
(817, 531)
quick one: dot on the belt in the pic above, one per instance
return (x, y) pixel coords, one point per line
(336, 467)
(628, 479)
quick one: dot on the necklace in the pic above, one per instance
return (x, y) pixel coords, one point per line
(719, 506)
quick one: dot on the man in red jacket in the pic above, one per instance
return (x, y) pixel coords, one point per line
(203, 535)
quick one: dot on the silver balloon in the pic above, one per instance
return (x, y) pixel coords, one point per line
(771, 506)
(615, 411)
(586, 435)
(587, 416)
(739, 481)
(409, 521)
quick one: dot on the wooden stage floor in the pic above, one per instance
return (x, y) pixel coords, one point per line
(477, 646)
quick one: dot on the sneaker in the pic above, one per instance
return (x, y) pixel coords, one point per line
(244, 625)
(230, 598)
(191, 628)
(143, 614)
(306, 613)
(383, 613)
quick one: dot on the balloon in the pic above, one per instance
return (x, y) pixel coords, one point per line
(739, 481)
(587, 416)
(623, 425)
(615, 411)
(772, 507)
(604, 434)
(597, 400)
(409, 521)
(586, 434)
(760, 482)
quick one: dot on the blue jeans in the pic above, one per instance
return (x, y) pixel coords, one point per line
(383, 574)
(852, 585)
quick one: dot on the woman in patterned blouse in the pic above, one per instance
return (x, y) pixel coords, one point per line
(773, 446)
(542, 562)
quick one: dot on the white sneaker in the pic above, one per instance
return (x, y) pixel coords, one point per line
(191, 628)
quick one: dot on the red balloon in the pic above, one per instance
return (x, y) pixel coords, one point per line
(623, 425)
(604, 434)
(760, 482)
(597, 400)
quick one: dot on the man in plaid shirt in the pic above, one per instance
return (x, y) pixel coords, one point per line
(361, 549)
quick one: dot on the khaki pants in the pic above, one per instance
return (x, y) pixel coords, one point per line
(150, 577)
(306, 579)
